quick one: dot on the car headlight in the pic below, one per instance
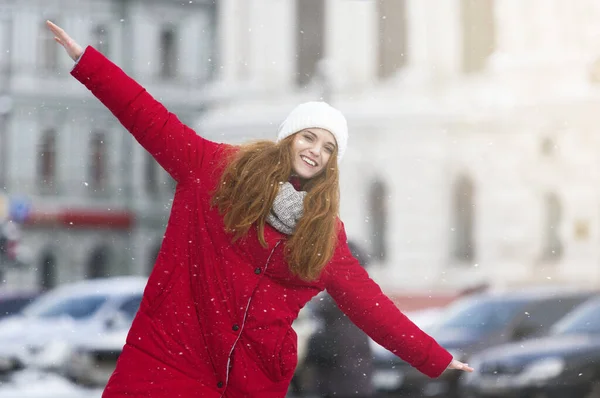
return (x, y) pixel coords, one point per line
(53, 355)
(543, 369)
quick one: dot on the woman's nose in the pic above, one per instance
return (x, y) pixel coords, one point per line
(315, 150)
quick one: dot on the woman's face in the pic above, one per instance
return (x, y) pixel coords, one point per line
(311, 151)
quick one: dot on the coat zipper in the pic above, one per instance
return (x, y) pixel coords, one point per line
(244, 319)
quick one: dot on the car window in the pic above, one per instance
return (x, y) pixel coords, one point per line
(130, 306)
(584, 319)
(481, 314)
(13, 305)
(544, 314)
(76, 307)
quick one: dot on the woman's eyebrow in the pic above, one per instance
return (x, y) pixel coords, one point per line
(311, 132)
(327, 143)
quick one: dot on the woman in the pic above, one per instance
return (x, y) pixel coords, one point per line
(253, 235)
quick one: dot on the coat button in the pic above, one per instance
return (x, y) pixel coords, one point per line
(220, 384)
(235, 328)
(257, 271)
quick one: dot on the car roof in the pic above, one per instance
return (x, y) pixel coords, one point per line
(112, 285)
(532, 293)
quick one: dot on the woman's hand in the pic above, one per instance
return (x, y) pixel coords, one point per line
(73, 49)
(460, 366)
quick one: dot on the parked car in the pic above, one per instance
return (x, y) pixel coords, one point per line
(42, 335)
(94, 358)
(565, 363)
(473, 324)
(388, 378)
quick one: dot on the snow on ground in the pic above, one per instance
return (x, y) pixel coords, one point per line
(34, 384)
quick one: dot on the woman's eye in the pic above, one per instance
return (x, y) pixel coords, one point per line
(308, 137)
(329, 150)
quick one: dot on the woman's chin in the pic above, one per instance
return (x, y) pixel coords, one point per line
(303, 176)
(302, 173)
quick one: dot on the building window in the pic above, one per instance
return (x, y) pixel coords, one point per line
(392, 36)
(98, 161)
(553, 247)
(98, 264)
(48, 49)
(547, 146)
(152, 175)
(464, 220)
(100, 38)
(168, 53)
(47, 160)
(378, 214)
(153, 256)
(478, 31)
(310, 35)
(48, 271)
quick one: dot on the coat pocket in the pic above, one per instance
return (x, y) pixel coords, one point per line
(288, 355)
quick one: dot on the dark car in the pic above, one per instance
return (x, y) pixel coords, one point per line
(565, 363)
(473, 324)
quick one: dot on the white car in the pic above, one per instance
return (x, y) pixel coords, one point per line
(43, 335)
(93, 359)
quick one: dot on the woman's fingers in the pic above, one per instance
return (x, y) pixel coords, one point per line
(73, 49)
(460, 366)
(58, 32)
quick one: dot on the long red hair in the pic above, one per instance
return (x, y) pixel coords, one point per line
(248, 187)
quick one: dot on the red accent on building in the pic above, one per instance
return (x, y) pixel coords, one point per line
(73, 218)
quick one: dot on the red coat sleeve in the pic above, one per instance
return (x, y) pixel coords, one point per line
(359, 297)
(177, 148)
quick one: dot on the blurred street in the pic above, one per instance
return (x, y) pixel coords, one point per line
(469, 191)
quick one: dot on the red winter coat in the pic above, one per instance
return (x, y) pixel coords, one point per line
(216, 317)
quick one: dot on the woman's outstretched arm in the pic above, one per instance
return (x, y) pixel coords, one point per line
(359, 297)
(174, 145)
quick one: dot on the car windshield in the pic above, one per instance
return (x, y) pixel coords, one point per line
(585, 319)
(480, 315)
(75, 306)
(14, 305)
(130, 306)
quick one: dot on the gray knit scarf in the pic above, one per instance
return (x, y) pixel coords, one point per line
(287, 209)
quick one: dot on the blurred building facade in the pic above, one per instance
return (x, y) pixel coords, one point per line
(473, 146)
(96, 202)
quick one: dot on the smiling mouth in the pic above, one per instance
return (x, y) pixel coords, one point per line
(308, 161)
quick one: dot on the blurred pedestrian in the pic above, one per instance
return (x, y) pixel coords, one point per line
(339, 354)
(253, 235)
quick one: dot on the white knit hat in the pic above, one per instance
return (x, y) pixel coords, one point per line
(317, 115)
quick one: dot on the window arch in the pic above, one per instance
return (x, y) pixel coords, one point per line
(478, 33)
(310, 42)
(168, 52)
(48, 270)
(553, 247)
(98, 263)
(463, 247)
(48, 51)
(100, 37)
(98, 161)
(153, 256)
(152, 173)
(378, 208)
(393, 30)
(47, 159)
